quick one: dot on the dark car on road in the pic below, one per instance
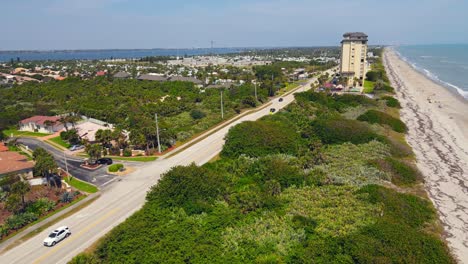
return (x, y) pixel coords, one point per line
(272, 110)
(281, 99)
(104, 161)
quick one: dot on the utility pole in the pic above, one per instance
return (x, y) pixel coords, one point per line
(66, 165)
(157, 133)
(222, 109)
(256, 98)
(272, 85)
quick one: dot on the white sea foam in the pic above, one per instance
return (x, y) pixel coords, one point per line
(433, 76)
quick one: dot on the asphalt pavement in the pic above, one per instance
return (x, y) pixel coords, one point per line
(97, 177)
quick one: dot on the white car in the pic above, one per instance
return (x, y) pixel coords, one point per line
(56, 236)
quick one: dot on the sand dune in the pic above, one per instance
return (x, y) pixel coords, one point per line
(438, 132)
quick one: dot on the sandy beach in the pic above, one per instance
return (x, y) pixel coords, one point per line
(438, 132)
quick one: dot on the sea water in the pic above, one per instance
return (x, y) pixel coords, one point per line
(107, 54)
(445, 64)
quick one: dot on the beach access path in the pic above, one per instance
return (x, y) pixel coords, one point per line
(437, 119)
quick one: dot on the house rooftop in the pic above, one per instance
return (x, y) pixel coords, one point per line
(151, 77)
(40, 120)
(185, 79)
(3, 148)
(122, 74)
(11, 162)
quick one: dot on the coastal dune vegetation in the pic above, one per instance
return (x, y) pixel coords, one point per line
(312, 184)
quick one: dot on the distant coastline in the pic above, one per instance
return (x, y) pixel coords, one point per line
(439, 67)
(100, 54)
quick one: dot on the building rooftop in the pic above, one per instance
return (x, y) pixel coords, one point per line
(3, 148)
(122, 74)
(11, 162)
(150, 77)
(40, 120)
(185, 79)
(354, 36)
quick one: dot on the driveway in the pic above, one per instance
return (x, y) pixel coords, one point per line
(97, 177)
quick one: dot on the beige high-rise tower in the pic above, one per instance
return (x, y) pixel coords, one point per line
(354, 57)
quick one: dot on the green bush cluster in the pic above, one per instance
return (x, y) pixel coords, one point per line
(377, 117)
(391, 102)
(333, 101)
(402, 173)
(115, 167)
(337, 131)
(191, 188)
(261, 138)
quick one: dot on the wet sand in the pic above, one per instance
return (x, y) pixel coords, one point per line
(438, 132)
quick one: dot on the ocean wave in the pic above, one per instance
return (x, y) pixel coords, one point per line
(433, 76)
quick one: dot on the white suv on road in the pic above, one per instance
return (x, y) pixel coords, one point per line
(56, 236)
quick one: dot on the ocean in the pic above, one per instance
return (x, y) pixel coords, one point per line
(107, 54)
(445, 64)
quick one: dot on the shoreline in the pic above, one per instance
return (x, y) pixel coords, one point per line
(437, 118)
(449, 86)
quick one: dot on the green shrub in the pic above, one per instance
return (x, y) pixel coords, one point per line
(40, 206)
(16, 222)
(191, 188)
(115, 167)
(197, 114)
(405, 209)
(402, 173)
(261, 138)
(389, 242)
(339, 131)
(391, 102)
(336, 102)
(127, 152)
(377, 117)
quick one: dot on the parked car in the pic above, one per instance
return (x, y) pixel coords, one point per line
(281, 99)
(272, 110)
(104, 161)
(56, 236)
(76, 147)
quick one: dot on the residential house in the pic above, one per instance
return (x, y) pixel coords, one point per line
(41, 124)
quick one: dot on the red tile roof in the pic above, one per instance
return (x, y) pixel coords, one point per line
(100, 73)
(39, 120)
(11, 162)
(3, 148)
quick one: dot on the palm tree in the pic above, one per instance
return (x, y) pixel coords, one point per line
(21, 188)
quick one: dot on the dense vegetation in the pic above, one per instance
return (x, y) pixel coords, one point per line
(130, 105)
(377, 117)
(286, 191)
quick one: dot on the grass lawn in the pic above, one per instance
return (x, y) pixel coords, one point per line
(368, 86)
(17, 133)
(140, 159)
(81, 185)
(59, 141)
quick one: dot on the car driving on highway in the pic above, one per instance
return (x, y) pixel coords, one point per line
(281, 99)
(56, 236)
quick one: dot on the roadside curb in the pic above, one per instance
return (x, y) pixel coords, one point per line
(5, 244)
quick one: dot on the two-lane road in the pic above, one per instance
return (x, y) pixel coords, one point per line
(97, 177)
(122, 198)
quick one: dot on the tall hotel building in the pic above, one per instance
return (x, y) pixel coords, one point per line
(353, 57)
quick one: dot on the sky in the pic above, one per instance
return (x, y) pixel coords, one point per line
(109, 24)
